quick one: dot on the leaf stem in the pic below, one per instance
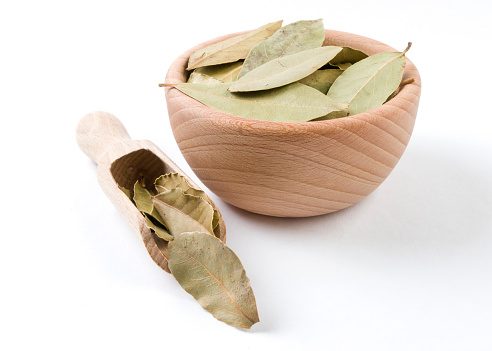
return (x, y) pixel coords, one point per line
(408, 48)
(166, 85)
(407, 81)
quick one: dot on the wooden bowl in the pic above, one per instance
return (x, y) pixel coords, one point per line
(293, 169)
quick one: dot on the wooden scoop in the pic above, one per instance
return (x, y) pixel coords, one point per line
(122, 161)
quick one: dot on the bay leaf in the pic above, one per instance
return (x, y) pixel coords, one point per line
(215, 220)
(321, 87)
(175, 180)
(333, 115)
(368, 83)
(226, 72)
(344, 66)
(184, 213)
(285, 70)
(322, 76)
(404, 82)
(202, 79)
(347, 57)
(295, 102)
(322, 79)
(232, 49)
(293, 38)
(143, 200)
(158, 228)
(212, 273)
(215, 223)
(127, 192)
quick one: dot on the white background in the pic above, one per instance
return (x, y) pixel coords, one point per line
(408, 268)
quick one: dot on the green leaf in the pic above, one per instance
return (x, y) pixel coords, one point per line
(321, 87)
(293, 38)
(158, 228)
(347, 57)
(213, 274)
(226, 72)
(285, 70)
(215, 220)
(322, 79)
(215, 223)
(175, 180)
(322, 76)
(143, 200)
(126, 192)
(202, 78)
(292, 103)
(332, 115)
(184, 213)
(367, 84)
(344, 66)
(232, 49)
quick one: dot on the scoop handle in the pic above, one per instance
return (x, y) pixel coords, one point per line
(97, 132)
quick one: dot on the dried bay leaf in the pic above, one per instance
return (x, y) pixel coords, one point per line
(202, 79)
(170, 181)
(184, 213)
(322, 79)
(404, 82)
(216, 219)
(175, 180)
(347, 57)
(226, 72)
(321, 87)
(127, 192)
(143, 200)
(293, 38)
(344, 66)
(368, 83)
(213, 274)
(322, 76)
(158, 228)
(295, 102)
(285, 70)
(232, 49)
(332, 115)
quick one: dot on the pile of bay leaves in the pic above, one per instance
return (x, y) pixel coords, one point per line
(201, 263)
(284, 74)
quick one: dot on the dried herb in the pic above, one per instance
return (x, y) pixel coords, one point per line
(227, 72)
(266, 85)
(295, 102)
(368, 83)
(232, 49)
(200, 78)
(347, 57)
(291, 39)
(184, 213)
(322, 80)
(186, 226)
(214, 276)
(285, 70)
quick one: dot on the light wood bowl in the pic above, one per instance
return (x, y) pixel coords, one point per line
(293, 169)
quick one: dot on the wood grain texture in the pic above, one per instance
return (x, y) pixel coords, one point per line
(122, 161)
(294, 169)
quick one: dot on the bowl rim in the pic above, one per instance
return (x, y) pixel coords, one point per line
(409, 93)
